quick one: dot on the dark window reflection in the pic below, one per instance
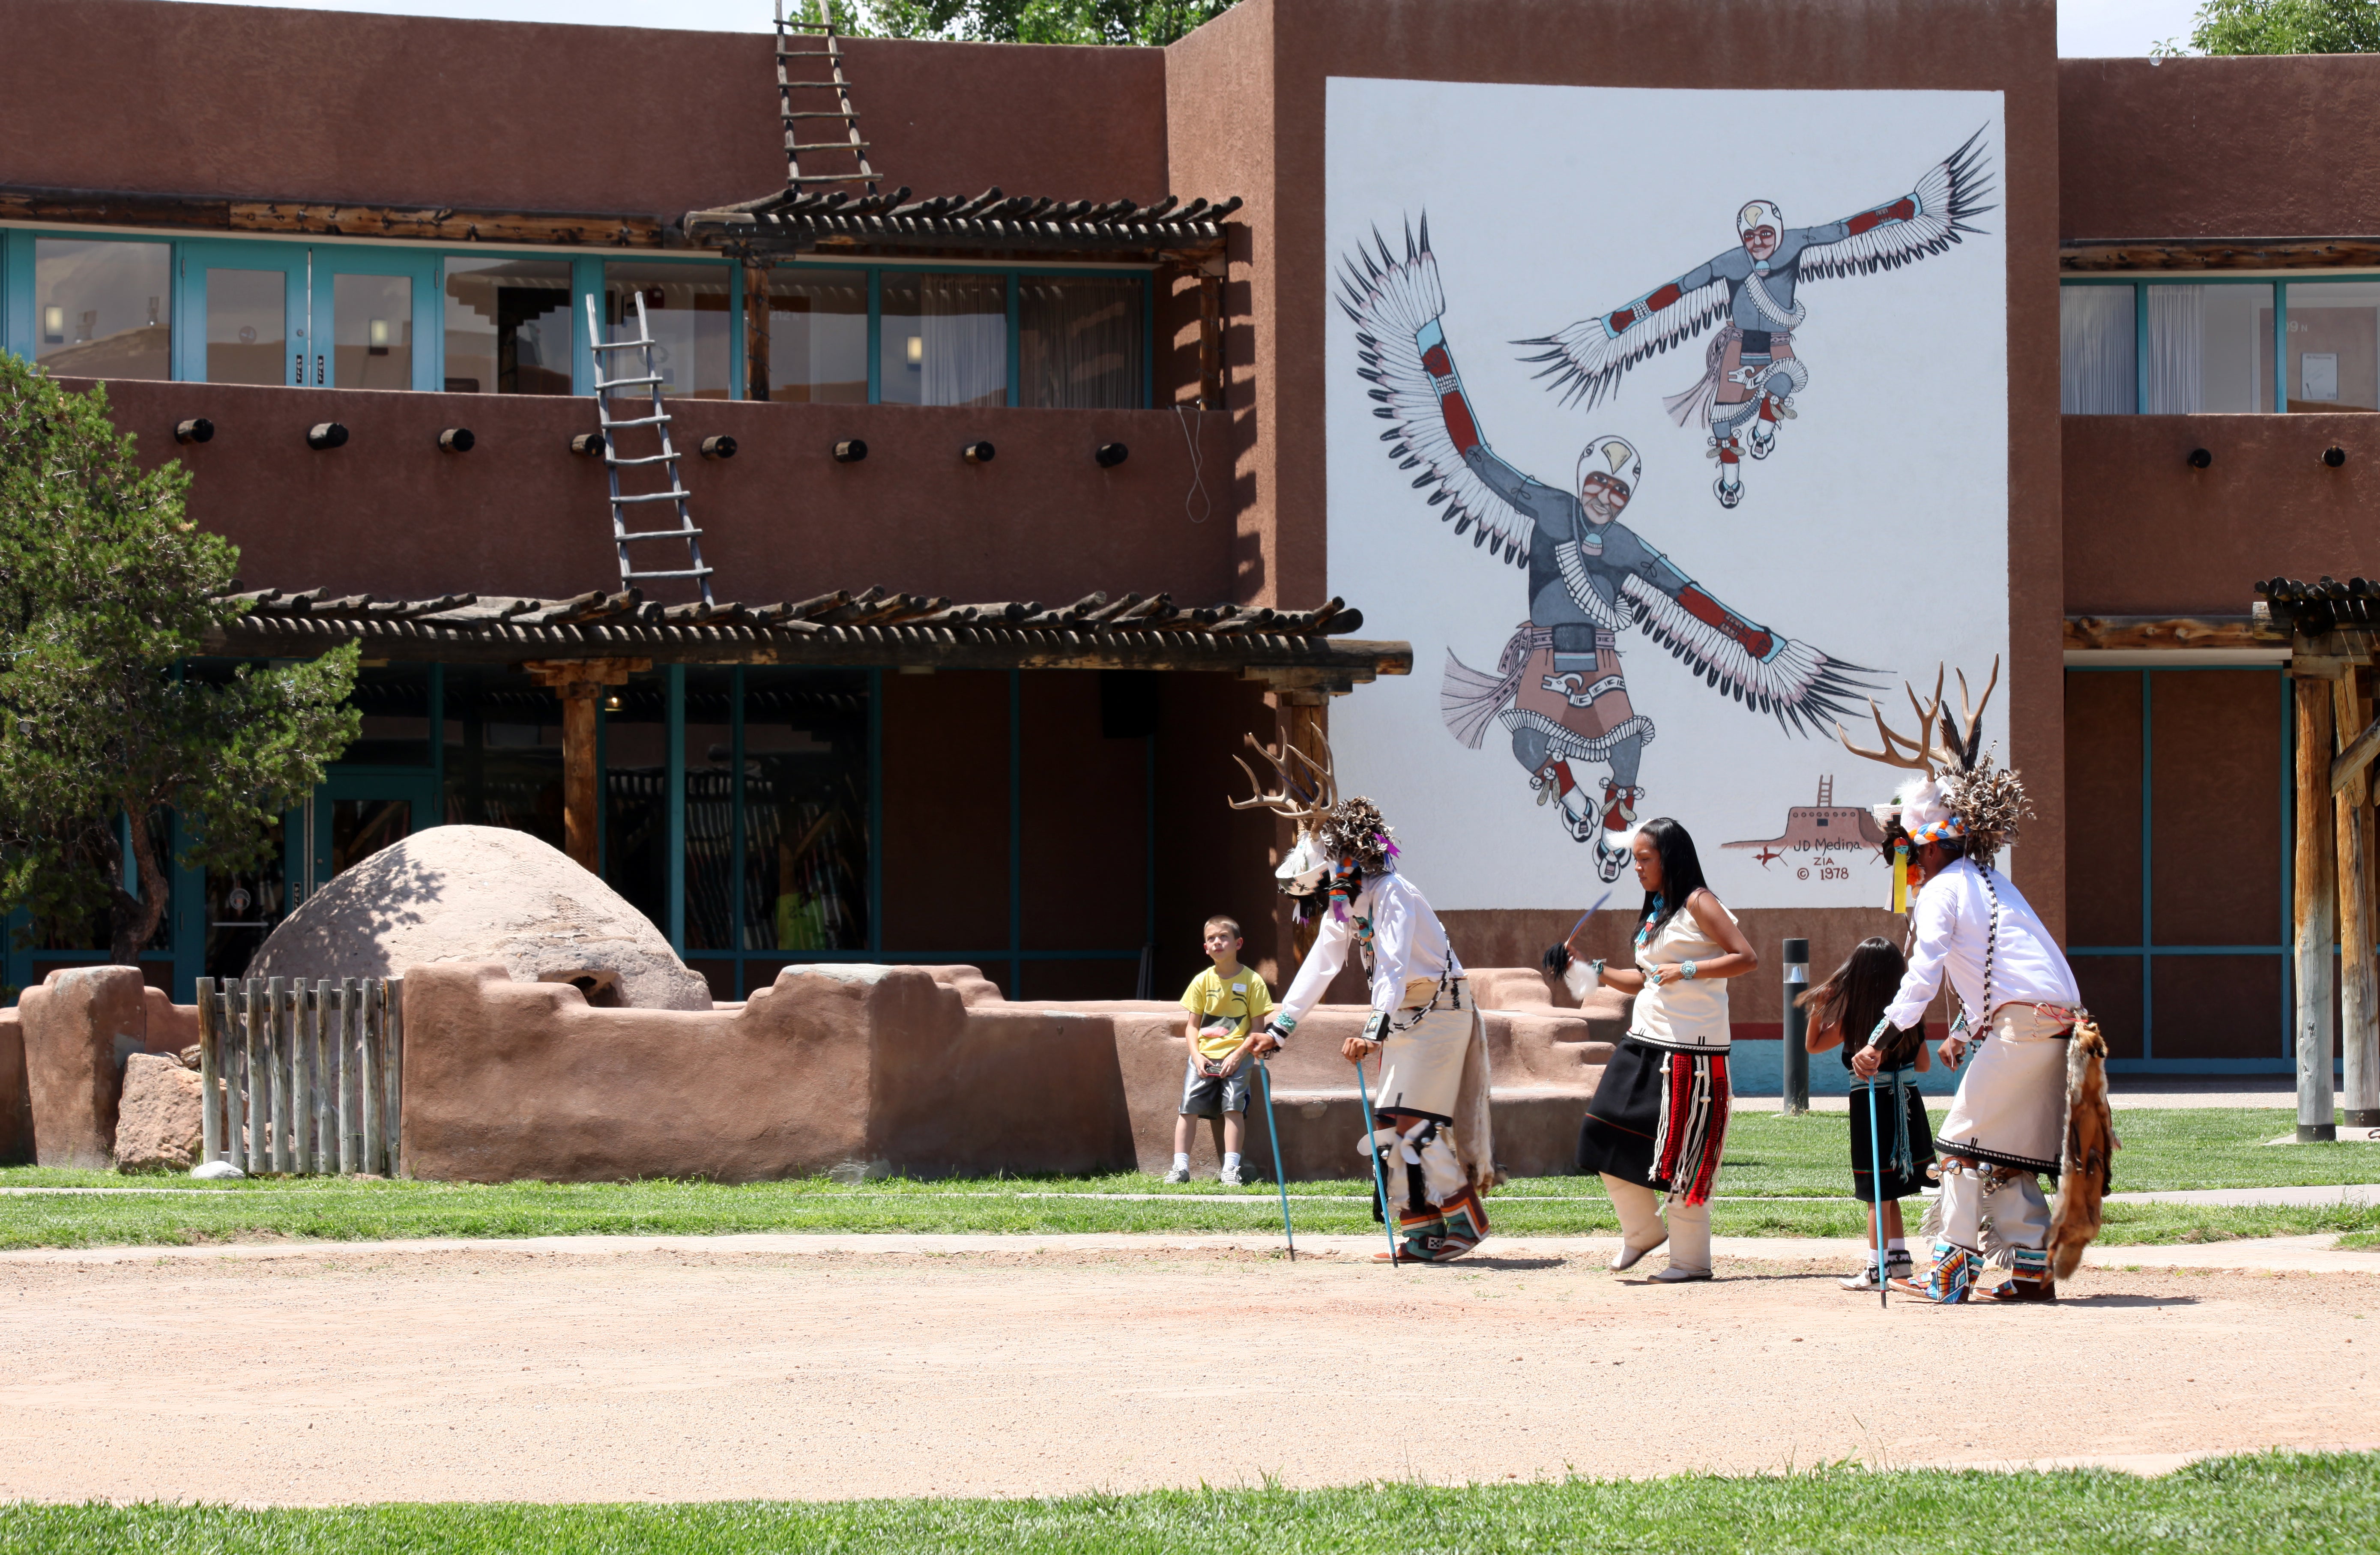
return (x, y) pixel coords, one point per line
(805, 809)
(507, 326)
(504, 753)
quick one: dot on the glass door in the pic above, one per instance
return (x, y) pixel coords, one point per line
(375, 313)
(353, 816)
(244, 312)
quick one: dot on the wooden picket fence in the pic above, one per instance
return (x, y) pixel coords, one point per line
(303, 1077)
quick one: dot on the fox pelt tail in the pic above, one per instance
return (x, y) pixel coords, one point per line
(2087, 1157)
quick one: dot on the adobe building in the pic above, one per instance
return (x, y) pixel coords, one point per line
(1136, 344)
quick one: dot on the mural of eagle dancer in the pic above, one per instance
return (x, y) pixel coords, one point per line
(1559, 687)
(1750, 372)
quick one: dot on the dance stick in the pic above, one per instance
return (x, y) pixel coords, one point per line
(1379, 1177)
(1279, 1181)
(1875, 1180)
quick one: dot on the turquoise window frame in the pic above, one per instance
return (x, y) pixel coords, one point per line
(1014, 277)
(2146, 950)
(2141, 285)
(17, 284)
(582, 287)
(194, 258)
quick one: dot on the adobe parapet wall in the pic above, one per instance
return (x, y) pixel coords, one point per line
(926, 1069)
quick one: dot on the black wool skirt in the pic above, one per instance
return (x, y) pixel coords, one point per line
(1897, 1184)
(1624, 1117)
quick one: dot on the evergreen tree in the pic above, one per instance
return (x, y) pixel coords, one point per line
(106, 587)
(2241, 27)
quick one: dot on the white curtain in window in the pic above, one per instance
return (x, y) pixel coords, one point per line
(964, 325)
(2095, 351)
(1079, 343)
(2176, 375)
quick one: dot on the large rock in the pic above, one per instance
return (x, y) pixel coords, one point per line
(157, 1121)
(481, 894)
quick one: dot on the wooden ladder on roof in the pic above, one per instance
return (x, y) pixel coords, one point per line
(805, 35)
(664, 463)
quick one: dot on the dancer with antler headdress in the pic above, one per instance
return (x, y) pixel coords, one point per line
(2018, 1000)
(1436, 1141)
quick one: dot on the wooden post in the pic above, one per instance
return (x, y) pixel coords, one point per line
(578, 682)
(756, 330)
(301, 1079)
(389, 997)
(238, 1109)
(326, 1049)
(2313, 894)
(210, 1131)
(346, 1067)
(2359, 1014)
(368, 1082)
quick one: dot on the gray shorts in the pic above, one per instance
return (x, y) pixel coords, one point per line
(1210, 1095)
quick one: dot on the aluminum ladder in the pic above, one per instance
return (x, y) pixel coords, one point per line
(819, 31)
(659, 421)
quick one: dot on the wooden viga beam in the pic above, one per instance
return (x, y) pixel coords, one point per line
(2355, 758)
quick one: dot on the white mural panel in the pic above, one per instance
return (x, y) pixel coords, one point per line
(1667, 426)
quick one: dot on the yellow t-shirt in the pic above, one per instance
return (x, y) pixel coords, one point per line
(1225, 1009)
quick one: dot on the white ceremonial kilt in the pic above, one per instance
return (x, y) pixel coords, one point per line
(1421, 1062)
(2012, 1102)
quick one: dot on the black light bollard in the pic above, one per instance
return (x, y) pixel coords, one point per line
(1796, 1089)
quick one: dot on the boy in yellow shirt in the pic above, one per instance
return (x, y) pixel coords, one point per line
(1227, 1004)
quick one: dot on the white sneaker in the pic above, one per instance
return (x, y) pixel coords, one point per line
(1179, 1174)
(1865, 1280)
(1230, 1177)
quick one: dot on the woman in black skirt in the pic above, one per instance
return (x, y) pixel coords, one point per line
(1658, 1120)
(1884, 1069)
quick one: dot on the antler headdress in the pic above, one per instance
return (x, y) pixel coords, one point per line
(1308, 792)
(1329, 828)
(1961, 793)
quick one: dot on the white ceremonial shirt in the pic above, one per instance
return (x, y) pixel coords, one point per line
(1407, 941)
(1950, 920)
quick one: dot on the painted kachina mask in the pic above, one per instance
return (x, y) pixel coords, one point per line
(1956, 794)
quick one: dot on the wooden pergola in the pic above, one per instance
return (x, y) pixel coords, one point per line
(579, 647)
(2332, 629)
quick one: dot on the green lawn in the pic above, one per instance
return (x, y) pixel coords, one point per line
(2286, 1503)
(1783, 1177)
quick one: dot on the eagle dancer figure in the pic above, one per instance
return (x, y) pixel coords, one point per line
(1559, 687)
(1750, 372)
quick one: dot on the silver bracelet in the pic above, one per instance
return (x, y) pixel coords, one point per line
(1686, 970)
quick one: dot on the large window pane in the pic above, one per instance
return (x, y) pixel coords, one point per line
(2334, 346)
(710, 812)
(945, 339)
(817, 337)
(103, 309)
(372, 332)
(686, 305)
(806, 839)
(394, 701)
(636, 795)
(1078, 341)
(2097, 361)
(507, 326)
(503, 753)
(2210, 349)
(247, 326)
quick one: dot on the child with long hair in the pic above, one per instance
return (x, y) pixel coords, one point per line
(1844, 1010)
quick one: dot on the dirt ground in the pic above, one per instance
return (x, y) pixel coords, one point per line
(344, 1375)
